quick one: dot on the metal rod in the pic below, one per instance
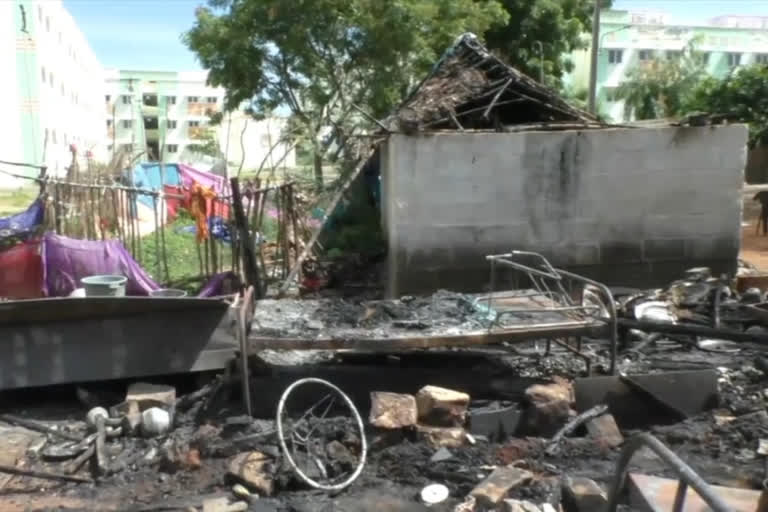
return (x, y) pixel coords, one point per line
(683, 471)
(12, 470)
(682, 489)
(38, 427)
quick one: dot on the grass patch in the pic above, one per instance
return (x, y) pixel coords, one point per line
(16, 200)
(183, 261)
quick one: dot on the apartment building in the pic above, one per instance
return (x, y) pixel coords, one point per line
(158, 114)
(629, 39)
(51, 89)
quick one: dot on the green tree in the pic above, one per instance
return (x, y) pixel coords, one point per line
(660, 87)
(741, 96)
(328, 60)
(540, 34)
(207, 144)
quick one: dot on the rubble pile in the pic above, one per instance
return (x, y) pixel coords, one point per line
(538, 436)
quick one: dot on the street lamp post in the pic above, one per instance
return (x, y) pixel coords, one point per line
(593, 57)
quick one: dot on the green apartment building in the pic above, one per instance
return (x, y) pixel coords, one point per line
(628, 39)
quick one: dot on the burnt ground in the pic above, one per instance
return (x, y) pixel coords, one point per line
(174, 471)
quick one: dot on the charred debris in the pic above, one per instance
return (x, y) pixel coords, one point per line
(544, 398)
(472, 89)
(502, 427)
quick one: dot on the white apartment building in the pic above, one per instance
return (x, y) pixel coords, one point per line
(164, 115)
(51, 89)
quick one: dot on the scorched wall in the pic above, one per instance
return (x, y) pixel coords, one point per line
(627, 206)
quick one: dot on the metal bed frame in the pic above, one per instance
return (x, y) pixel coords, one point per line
(557, 286)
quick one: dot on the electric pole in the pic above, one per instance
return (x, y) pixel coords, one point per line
(593, 57)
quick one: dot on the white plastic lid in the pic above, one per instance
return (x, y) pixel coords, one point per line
(434, 494)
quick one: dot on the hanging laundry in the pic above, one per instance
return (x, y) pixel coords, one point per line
(197, 204)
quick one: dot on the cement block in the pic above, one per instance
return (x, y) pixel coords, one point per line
(612, 252)
(641, 185)
(664, 250)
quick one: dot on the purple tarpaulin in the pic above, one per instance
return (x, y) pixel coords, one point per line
(222, 283)
(67, 260)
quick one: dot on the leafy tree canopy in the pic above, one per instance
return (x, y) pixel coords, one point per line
(660, 87)
(543, 32)
(327, 60)
(742, 96)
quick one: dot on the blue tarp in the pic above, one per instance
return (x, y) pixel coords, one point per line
(22, 226)
(148, 176)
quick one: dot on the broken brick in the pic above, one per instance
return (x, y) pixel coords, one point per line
(442, 407)
(550, 407)
(438, 437)
(151, 395)
(392, 410)
(520, 506)
(492, 491)
(254, 469)
(605, 431)
(583, 495)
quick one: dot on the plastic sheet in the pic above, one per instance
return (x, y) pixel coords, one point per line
(21, 271)
(68, 260)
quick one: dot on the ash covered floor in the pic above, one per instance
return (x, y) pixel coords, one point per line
(713, 416)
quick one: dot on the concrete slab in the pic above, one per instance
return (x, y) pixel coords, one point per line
(654, 494)
(690, 392)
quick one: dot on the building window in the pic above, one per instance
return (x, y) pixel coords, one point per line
(109, 123)
(47, 23)
(172, 148)
(126, 99)
(65, 139)
(171, 100)
(127, 123)
(194, 124)
(615, 56)
(171, 124)
(128, 148)
(39, 14)
(50, 78)
(734, 59)
(674, 54)
(192, 99)
(761, 58)
(108, 97)
(42, 72)
(211, 99)
(645, 55)
(62, 90)
(53, 137)
(703, 58)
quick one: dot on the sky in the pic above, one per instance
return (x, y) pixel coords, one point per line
(145, 34)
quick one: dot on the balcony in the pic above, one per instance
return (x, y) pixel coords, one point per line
(149, 110)
(201, 109)
(196, 132)
(152, 134)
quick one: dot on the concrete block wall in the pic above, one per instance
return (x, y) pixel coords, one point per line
(626, 206)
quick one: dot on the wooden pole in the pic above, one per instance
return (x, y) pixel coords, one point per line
(158, 259)
(249, 258)
(331, 207)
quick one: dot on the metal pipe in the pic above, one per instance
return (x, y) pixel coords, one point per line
(611, 305)
(684, 472)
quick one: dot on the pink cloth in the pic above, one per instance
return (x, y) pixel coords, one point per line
(190, 176)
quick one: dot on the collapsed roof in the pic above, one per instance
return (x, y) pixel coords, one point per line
(469, 88)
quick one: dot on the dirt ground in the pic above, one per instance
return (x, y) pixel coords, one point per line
(754, 247)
